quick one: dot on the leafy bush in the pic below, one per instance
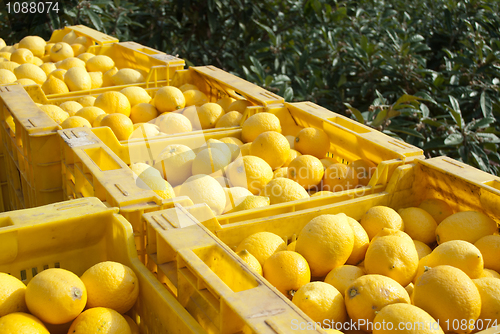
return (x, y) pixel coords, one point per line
(426, 71)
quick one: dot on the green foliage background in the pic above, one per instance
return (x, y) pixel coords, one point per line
(426, 71)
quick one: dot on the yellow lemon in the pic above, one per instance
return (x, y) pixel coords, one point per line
(306, 170)
(283, 190)
(250, 172)
(490, 273)
(35, 44)
(194, 97)
(232, 144)
(99, 63)
(68, 63)
(12, 292)
(21, 323)
(272, 147)
(250, 260)
(326, 242)
(78, 49)
(322, 193)
(22, 56)
(139, 168)
(2, 43)
(232, 118)
(7, 77)
(379, 217)
(209, 114)
(169, 99)
(97, 123)
(368, 294)
(100, 320)
(37, 61)
(343, 276)
(250, 202)
(136, 95)
(9, 65)
(223, 181)
(175, 163)
(287, 271)
(87, 101)
(56, 296)
(5, 55)
(489, 246)
(361, 242)
(8, 48)
(107, 78)
(54, 112)
(225, 102)
(186, 87)
(262, 245)
(293, 154)
(59, 74)
(419, 224)
(291, 141)
(448, 295)
(96, 79)
(209, 161)
(143, 113)
(172, 123)
(54, 86)
(322, 302)
(364, 170)
(70, 37)
(291, 246)
(405, 319)
(85, 57)
(489, 289)
(234, 196)
(75, 122)
(77, 78)
(392, 253)
(339, 177)
(422, 249)
(61, 51)
(205, 189)
(245, 149)
(257, 124)
(113, 102)
(120, 124)
(90, 113)
(48, 67)
(239, 106)
(30, 71)
(127, 76)
(280, 172)
(466, 225)
(437, 208)
(112, 285)
(134, 329)
(25, 82)
(312, 141)
(141, 130)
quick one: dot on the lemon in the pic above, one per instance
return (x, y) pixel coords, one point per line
(262, 245)
(56, 296)
(339, 177)
(257, 124)
(57, 114)
(287, 271)
(223, 181)
(291, 141)
(422, 249)
(283, 190)
(37, 61)
(143, 112)
(25, 82)
(489, 289)
(134, 329)
(187, 87)
(77, 78)
(127, 76)
(78, 49)
(57, 35)
(5, 55)
(364, 170)
(61, 51)
(322, 193)
(326, 242)
(225, 102)
(139, 168)
(90, 113)
(251, 202)
(343, 276)
(272, 147)
(75, 122)
(195, 97)
(293, 154)
(280, 172)
(112, 285)
(30, 71)
(192, 114)
(368, 294)
(2, 43)
(437, 208)
(250, 260)
(59, 74)
(312, 141)
(113, 102)
(232, 118)
(35, 44)
(70, 37)
(87, 101)
(239, 106)
(379, 217)
(392, 253)
(234, 196)
(419, 224)
(22, 56)
(68, 63)
(233, 145)
(9, 65)
(172, 123)
(107, 78)
(209, 161)
(322, 302)
(205, 189)
(489, 246)
(96, 79)
(85, 57)
(291, 246)
(361, 242)
(169, 99)
(209, 114)
(8, 48)
(217, 144)
(448, 295)
(48, 68)
(21, 323)
(250, 172)
(12, 292)
(141, 130)
(100, 320)
(245, 149)
(7, 76)
(466, 225)
(405, 319)
(54, 86)
(82, 40)
(490, 273)
(306, 170)
(175, 163)
(136, 95)
(120, 124)
(99, 63)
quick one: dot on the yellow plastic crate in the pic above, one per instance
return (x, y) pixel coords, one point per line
(169, 231)
(97, 37)
(214, 285)
(75, 235)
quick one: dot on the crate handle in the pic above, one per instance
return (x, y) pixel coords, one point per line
(97, 36)
(8, 245)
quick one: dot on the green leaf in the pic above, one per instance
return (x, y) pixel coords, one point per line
(486, 106)
(407, 131)
(288, 95)
(356, 113)
(481, 123)
(488, 137)
(455, 112)
(425, 96)
(404, 99)
(433, 144)
(454, 139)
(95, 19)
(425, 110)
(479, 161)
(381, 116)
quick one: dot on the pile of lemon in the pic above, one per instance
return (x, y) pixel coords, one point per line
(58, 301)
(422, 266)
